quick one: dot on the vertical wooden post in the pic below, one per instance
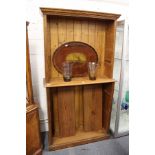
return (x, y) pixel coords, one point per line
(47, 48)
(108, 90)
(49, 108)
(28, 72)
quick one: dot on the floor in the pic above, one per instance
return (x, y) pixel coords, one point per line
(117, 146)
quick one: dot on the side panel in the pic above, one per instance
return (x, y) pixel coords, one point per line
(33, 140)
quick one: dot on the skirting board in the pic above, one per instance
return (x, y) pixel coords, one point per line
(44, 125)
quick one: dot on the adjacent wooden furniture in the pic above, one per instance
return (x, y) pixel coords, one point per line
(79, 111)
(33, 139)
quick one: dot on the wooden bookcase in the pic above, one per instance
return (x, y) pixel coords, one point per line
(79, 111)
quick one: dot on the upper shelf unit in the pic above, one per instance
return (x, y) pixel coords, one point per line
(93, 28)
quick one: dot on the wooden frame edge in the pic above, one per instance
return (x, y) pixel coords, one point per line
(79, 13)
(53, 148)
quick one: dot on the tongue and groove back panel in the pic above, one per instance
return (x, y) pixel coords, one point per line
(92, 102)
(68, 29)
(81, 113)
(81, 108)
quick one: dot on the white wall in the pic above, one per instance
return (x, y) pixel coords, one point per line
(36, 43)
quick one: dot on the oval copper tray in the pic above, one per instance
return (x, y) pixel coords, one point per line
(78, 53)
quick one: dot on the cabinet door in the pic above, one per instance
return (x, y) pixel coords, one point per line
(33, 140)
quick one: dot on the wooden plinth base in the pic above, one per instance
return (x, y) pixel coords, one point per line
(81, 137)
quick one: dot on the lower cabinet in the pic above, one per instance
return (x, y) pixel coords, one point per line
(79, 114)
(33, 139)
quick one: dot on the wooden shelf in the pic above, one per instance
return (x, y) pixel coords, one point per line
(59, 82)
(81, 137)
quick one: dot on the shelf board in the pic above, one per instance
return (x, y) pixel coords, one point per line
(59, 82)
(79, 138)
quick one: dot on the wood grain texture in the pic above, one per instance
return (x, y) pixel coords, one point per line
(78, 89)
(79, 13)
(92, 107)
(100, 43)
(91, 33)
(110, 48)
(47, 48)
(84, 31)
(50, 116)
(54, 42)
(78, 139)
(81, 105)
(88, 31)
(87, 101)
(97, 45)
(33, 139)
(62, 33)
(81, 108)
(97, 107)
(69, 30)
(66, 111)
(55, 111)
(108, 90)
(28, 72)
(77, 30)
(78, 107)
(59, 82)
